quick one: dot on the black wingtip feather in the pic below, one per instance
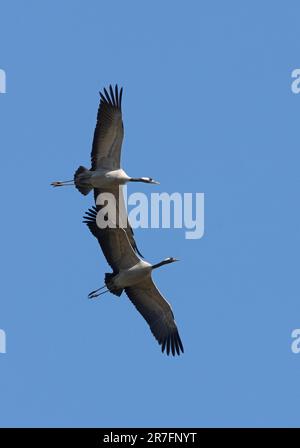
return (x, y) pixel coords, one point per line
(117, 95)
(176, 345)
(90, 216)
(179, 342)
(108, 99)
(113, 97)
(91, 212)
(168, 345)
(172, 344)
(103, 99)
(120, 97)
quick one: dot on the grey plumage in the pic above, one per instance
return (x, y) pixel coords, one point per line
(143, 294)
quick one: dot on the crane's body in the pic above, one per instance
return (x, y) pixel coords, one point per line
(131, 276)
(85, 180)
(100, 178)
(106, 178)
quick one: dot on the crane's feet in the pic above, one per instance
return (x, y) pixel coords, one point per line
(62, 184)
(94, 294)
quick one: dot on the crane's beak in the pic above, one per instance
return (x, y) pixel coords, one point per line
(154, 182)
(176, 259)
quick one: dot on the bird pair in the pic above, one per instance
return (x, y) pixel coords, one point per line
(130, 273)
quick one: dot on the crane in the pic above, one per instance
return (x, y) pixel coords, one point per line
(132, 274)
(105, 172)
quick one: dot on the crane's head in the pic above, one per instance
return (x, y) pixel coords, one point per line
(146, 180)
(170, 260)
(149, 180)
(165, 261)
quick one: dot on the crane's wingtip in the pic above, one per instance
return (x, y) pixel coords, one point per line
(172, 345)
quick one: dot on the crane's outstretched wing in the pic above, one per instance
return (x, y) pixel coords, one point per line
(158, 313)
(121, 214)
(106, 151)
(109, 131)
(114, 243)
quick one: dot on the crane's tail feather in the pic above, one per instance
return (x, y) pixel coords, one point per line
(108, 279)
(81, 178)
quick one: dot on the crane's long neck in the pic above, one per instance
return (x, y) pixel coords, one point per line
(158, 265)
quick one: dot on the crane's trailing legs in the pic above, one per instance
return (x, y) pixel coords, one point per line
(94, 294)
(64, 183)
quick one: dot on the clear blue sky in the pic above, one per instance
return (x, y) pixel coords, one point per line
(207, 108)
